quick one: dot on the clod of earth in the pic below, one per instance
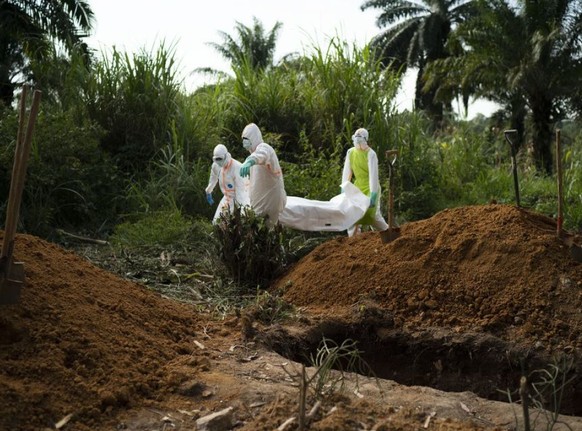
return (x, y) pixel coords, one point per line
(464, 301)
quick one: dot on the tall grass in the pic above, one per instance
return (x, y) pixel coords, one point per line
(326, 95)
(171, 184)
(198, 125)
(346, 89)
(133, 97)
(418, 187)
(316, 174)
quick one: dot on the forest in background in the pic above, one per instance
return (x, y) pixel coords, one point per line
(119, 140)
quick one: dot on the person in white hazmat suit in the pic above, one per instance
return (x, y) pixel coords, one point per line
(267, 188)
(226, 172)
(362, 163)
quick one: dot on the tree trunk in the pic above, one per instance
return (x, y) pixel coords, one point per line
(542, 134)
(425, 102)
(517, 120)
(6, 92)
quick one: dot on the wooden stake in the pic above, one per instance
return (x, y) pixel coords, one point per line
(23, 143)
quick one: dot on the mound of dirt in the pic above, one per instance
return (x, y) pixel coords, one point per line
(85, 342)
(493, 268)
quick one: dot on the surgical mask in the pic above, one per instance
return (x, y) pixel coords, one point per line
(359, 142)
(247, 143)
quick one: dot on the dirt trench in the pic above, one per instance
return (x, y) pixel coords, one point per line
(452, 362)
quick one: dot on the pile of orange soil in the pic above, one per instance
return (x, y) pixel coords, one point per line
(84, 342)
(493, 268)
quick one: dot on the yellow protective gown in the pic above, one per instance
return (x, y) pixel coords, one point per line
(363, 165)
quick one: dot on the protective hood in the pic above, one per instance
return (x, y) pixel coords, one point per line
(252, 137)
(221, 156)
(361, 133)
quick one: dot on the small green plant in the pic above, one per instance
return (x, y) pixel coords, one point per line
(330, 356)
(269, 308)
(544, 391)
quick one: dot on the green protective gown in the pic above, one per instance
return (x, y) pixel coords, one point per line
(359, 165)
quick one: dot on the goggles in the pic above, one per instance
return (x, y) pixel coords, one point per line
(218, 158)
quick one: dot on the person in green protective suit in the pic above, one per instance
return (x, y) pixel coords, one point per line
(361, 168)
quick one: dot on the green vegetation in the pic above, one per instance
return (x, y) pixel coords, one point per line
(542, 392)
(331, 363)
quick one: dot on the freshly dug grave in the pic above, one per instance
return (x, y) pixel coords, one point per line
(97, 352)
(472, 295)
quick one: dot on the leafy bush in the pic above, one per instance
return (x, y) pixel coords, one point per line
(70, 182)
(317, 175)
(251, 251)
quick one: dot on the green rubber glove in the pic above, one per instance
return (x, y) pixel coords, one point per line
(245, 169)
(373, 198)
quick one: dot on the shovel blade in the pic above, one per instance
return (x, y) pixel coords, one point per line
(576, 252)
(10, 291)
(390, 235)
(11, 285)
(569, 241)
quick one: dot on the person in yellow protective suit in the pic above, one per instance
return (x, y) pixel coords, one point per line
(362, 163)
(226, 172)
(267, 188)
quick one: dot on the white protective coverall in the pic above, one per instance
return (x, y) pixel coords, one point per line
(226, 172)
(267, 188)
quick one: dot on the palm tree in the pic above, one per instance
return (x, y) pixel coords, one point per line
(28, 29)
(252, 46)
(485, 48)
(525, 57)
(417, 34)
